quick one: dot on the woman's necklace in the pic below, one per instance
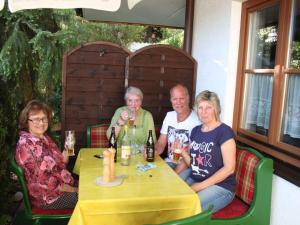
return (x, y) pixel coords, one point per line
(206, 128)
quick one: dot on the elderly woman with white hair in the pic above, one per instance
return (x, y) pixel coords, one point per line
(142, 119)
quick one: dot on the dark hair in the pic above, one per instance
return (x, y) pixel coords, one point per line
(33, 107)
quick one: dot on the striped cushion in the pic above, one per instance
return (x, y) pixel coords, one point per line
(245, 174)
(98, 136)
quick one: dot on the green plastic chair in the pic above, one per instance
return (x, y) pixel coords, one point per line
(260, 208)
(202, 218)
(96, 136)
(25, 216)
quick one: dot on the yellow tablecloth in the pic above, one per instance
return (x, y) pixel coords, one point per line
(155, 196)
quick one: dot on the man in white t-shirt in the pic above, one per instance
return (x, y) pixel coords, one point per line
(177, 125)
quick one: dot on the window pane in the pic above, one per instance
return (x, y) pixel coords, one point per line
(257, 104)
(290, 133)
(262, 42)
(294, 45)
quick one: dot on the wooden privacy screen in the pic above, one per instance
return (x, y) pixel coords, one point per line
(93, 86)
(157, 68)
(95, 76)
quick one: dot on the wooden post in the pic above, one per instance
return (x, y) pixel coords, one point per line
(188, 26)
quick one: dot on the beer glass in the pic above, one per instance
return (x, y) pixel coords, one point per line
(70, 142)
(177, 149)
(131, 117)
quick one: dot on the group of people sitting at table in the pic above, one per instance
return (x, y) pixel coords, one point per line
(207, 148)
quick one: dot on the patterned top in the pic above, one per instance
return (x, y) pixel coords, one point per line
(181, 130)
(206, 155)
(43, 166)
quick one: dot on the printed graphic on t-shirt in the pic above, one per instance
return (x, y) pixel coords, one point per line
(201, 158)
(181, 134)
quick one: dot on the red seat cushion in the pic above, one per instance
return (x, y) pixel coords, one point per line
(40, 211)
(98, 136)
(235, 209)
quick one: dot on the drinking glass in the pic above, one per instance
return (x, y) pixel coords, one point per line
(70, 142)
(131, 117)
(132, 137)
(177, 149)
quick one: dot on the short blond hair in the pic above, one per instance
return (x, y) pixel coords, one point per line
(211, 97)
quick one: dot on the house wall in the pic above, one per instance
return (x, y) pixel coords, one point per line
(285, 202)
(215, 47)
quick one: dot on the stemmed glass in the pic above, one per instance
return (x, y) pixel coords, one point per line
(70, 142)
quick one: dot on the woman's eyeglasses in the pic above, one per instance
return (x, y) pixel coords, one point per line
(38, 120)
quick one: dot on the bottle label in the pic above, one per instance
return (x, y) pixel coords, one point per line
(150, 153)
(125, 152)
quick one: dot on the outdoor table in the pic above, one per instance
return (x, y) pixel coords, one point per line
(155, 196)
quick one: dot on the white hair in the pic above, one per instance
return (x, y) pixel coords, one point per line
(133, 91)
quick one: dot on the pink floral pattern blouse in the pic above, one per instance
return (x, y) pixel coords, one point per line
(43, 166)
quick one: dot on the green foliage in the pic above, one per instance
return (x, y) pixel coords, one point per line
(5, 219)
(48, 52)
(295, 56)
(173, 37)
(14, 53)
(8, 133)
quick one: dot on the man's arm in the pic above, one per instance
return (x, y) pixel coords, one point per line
(161, 144)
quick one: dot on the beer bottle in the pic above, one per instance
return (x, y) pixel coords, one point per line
(112, 142)
(125, 148)
(150, 148)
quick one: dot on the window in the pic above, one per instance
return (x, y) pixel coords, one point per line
(290, 131)
(267, 105)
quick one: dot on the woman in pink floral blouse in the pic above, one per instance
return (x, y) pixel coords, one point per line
(50, 184)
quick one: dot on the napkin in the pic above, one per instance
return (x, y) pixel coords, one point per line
(145, 167)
